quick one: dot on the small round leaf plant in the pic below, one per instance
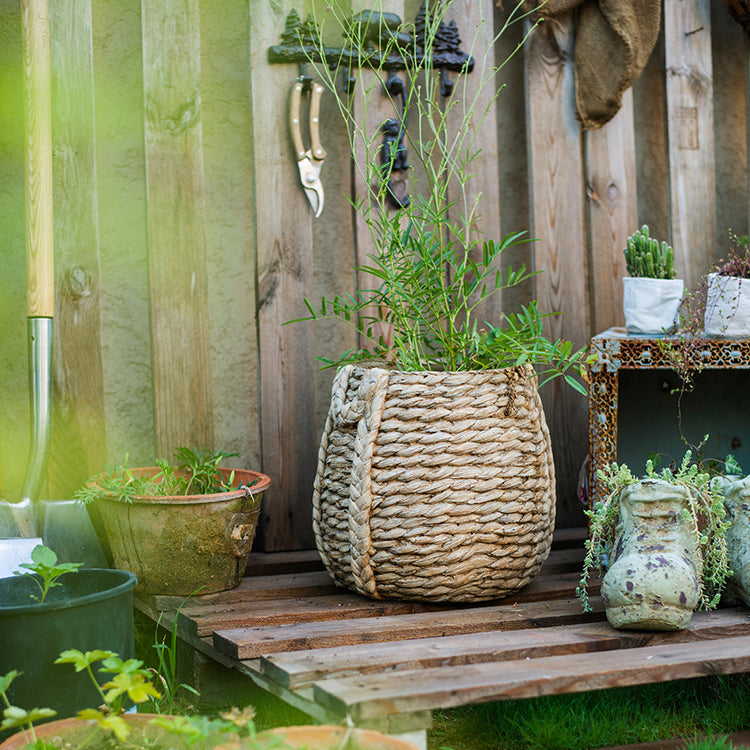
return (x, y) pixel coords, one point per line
(705, 513)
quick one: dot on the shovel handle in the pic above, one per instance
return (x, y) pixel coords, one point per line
(40, 295)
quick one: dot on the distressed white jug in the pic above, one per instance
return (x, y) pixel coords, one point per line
(737, 502)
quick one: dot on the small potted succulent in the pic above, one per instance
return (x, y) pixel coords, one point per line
(727, 311)
(181, 527)
(651, 294)
(662, 540)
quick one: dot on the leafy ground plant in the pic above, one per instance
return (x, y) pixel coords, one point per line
(45, 570)
(192, 472)
(126, 680)
(706, 515)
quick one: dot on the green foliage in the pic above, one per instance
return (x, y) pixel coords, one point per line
(44, 564)
(705, 512)
(193, 472)
(435, 271)
(646, 257)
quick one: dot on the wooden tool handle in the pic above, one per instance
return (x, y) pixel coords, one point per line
(316, 148)
(40, 299)
(294, 123)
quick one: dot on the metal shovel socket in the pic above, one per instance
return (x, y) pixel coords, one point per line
(40, 395)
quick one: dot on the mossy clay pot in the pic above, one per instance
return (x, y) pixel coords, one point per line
(653, 580)
(737, 502)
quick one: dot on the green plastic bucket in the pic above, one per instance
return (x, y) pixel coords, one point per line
(90, 609)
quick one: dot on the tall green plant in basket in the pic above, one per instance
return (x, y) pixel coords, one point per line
(435, 477)
(435, 270)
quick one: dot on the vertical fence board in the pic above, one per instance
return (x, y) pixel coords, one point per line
(556, 180)
(730, 126)
(612, 210)
(176, 223)
(79, 436)
(283, 237)
(690, 123)
(476, 91)
(226, 122)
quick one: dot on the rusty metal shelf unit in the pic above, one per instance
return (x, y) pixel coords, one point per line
(619, 354)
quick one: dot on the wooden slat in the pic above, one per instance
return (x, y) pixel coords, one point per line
(263, 563)
(312, 609)
(245, 609)
(283, 244)
(78, 440)
(690, 123)
(447, 687)
(246, 643)
(612, 210)
(557, 190)
(176, 223)
(294, 670)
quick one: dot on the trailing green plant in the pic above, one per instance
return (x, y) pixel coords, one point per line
(705, 513)
(192, 472)
(434, 271)
(647, 257)
(45, 570)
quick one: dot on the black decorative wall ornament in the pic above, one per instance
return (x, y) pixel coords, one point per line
(379, 40)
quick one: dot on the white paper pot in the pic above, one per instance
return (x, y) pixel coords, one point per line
(727, 307)
(651, 306)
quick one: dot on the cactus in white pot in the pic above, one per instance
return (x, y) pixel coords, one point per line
(651, 295)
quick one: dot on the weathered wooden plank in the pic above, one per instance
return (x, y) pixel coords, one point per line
(78, 440)
(206, 620)
(472, 125)
(226, 117)
(246, 643)
(251, 588)
(729, 45)
(612, 210)
(296, 561)
(556, 184)
(372, 695)
(690, 124)
(126, 304)
(283, 247)
(176, 223)
(300, 669)
(253, 608)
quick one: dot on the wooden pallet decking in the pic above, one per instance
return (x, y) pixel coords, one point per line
(387, 665)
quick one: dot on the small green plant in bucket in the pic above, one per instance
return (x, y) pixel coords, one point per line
(45, 570)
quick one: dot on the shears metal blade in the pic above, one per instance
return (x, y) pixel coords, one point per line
(309, 161)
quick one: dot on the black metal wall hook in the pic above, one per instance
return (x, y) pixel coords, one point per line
(381, 41)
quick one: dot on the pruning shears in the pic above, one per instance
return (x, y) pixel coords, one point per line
(309, 161)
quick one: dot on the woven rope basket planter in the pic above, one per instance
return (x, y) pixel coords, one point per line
(434, 486)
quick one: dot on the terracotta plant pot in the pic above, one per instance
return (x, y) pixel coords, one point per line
(335, 738)
(184, 544)
(653, 581)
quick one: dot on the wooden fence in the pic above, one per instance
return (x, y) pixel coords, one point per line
(183, 240)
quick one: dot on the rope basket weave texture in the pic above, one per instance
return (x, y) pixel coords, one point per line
(434, 486)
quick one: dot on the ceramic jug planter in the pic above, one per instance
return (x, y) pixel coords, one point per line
(737, 504)
(653, 582)
(651, 306)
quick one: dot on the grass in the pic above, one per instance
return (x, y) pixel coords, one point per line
(619, 716)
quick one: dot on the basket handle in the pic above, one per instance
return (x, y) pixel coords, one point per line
(349, 412)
